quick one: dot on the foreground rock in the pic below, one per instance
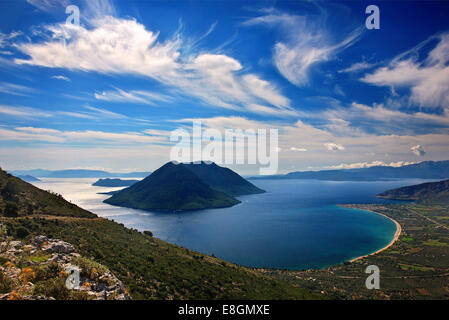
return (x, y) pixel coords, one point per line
(50, 269)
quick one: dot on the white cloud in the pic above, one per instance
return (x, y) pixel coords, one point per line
(15, 89)
(359, 165)
(24, 135)
(378, 118)
(257, 108)
(105, 113)
(24, 112)
(124, 46)
(133, 96)
(357, 67)
(89, 9)
(361, 150)
(49, 5)
(358, 146)
(131, 158)
(61, 77)
(87, 136)
(418, 150)
(298, 149)
(30, 113)
(266, 91)
(307, 42)
(334, 146)
(428, 80)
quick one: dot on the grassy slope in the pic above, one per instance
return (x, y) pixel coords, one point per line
(150, 268)
(32, 200)
(154, 269)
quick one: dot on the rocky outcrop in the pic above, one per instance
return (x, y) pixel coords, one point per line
(46, 265)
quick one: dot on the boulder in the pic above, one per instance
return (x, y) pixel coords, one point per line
(58, 246)
(39, 240)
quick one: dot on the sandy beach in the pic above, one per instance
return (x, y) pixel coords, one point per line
(396, 237)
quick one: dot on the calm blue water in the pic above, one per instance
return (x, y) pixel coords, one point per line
(295, 225)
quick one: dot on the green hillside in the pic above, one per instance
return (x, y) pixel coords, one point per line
(172, 187)
(19, 198)
(432, 192)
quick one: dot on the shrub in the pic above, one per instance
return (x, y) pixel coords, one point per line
(53, 288)
(50, 271)
(22, 232)
(27, 275)
(11, 210)
(148, 233)
(5, 283)
(89, 268)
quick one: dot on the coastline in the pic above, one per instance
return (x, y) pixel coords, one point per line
(395, 238)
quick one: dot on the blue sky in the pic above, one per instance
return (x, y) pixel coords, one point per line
(106, 94)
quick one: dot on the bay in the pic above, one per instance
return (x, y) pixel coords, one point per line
(296, 224)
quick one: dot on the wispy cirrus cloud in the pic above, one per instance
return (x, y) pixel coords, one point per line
(105, 113)
(306, 42)
(358, 67)
(86, 136)
(89, 112)
(428, 79)
(61, 77)
(124, 46)
(133, 96)
(15, 89)
(49, 5)
(23, 112)
(94, 113)
(377, 118)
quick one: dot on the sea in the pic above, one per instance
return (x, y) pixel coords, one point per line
(296, 224)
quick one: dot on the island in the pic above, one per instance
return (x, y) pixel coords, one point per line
(108, 182)
(185, 186)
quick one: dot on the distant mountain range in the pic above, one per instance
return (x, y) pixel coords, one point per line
(179, 187)
(77, 173)
(422, 170)
(434, 192)
(114, 183)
